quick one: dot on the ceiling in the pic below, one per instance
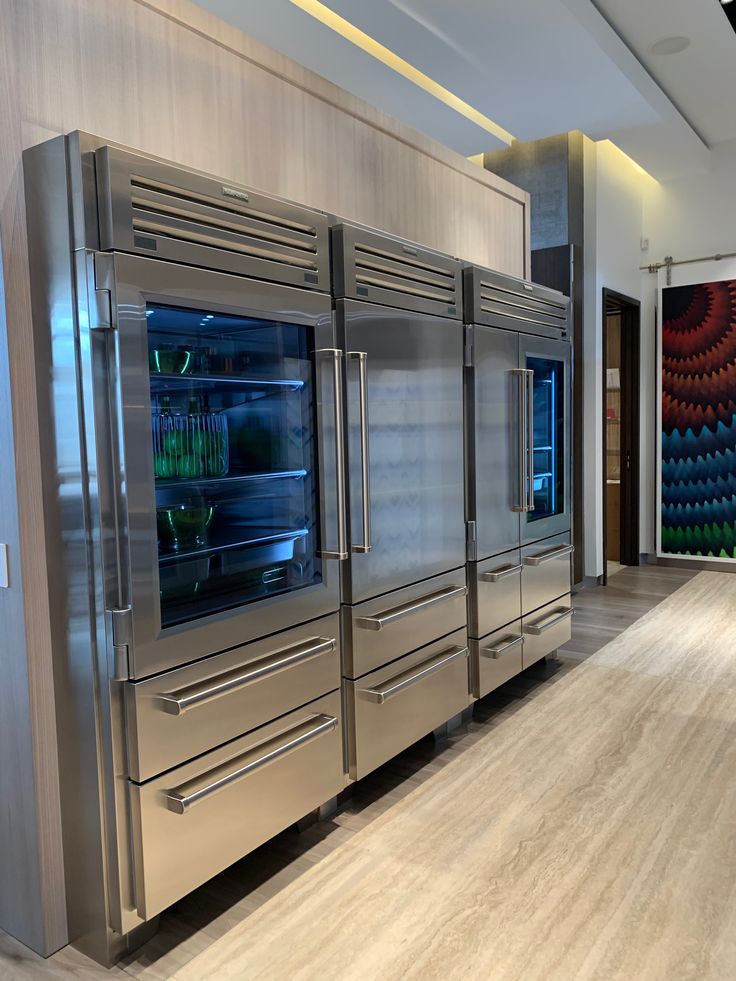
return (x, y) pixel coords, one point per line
(535, 67)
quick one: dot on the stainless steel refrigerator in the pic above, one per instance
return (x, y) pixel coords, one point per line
(194, 499)
(518, 435)
(399, 322)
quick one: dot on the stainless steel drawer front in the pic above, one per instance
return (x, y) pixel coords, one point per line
(546, 630)
(178, 702)
(501, 650)
(406, 619)
(549, 556)
(185, 797)
(398, 613)
(496, 659)
(191, 823)
(541, 627)
(402, 681)
(392, 708)
(495, 593)
(546, 574)
(180, 714)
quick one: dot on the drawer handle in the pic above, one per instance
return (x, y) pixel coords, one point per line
(178, 702)
(399, 612)
(394, 686)
(549, 555)
(540, 627)
(501, 573)
(185, 797)
(497, 652)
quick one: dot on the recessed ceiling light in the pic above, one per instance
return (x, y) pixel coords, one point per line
(669, 45)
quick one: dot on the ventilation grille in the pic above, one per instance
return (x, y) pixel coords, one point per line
(385, 270)
(498, 300)
(154, 208)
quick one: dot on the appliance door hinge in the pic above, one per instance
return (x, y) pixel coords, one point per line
(100, 298)
(471, 541)
(121, 628)
(468, 348)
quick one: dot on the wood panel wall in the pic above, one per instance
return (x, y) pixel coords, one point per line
(169, 79)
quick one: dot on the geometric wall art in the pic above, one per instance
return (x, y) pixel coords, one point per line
(698, 451)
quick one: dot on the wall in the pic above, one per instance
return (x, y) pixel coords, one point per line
(686, 218)
(163, 76)
(614, 188)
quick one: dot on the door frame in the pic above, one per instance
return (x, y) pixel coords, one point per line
(630, 437)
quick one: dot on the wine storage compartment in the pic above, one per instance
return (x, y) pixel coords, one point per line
(191, 445)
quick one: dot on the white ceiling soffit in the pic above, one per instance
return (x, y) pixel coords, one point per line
(535, 67)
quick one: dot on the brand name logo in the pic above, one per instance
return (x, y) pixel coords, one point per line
(230, 192)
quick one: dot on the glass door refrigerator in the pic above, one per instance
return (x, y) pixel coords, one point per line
(196, 521)
(518, 452)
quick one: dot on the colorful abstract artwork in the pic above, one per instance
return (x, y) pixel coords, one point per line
(699, 419)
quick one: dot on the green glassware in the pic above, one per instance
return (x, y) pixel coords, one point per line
(184, 526)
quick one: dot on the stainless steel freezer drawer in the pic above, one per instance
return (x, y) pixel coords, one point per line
(383, 629)
(495, 659)
(546, 630)
(495, 593)
(192, 822)
(546, 571)
(174, 716)
(390, 709)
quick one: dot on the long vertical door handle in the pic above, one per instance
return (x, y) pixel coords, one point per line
(365, 465)
(335, 356)
(523, 499)
(530, 438)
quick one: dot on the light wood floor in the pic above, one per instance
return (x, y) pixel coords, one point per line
(583, 826)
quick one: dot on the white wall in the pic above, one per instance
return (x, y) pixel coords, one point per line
(614, 189)
(686, 218)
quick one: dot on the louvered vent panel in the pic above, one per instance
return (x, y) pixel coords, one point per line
(500, 300)
(394, 273)
(156, 209)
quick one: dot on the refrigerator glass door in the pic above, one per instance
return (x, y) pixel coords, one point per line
(548, 378)
(405, 447)
(496, 481)
(228, 458)
(234, 458)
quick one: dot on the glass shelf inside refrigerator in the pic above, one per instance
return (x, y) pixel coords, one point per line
(234, 444)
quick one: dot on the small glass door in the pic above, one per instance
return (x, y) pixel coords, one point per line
(233, 438)
(549, 459)
(548, 455)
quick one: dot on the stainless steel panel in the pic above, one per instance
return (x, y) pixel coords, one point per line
(415, 430)
(137, 281)
(546, 572)
(495, 658)
(194, 821)
(499, 300)
(496, 486)
(154, 208)
(390, 709)
(494, 592)
(180, 714)
(547, 629)
(534, 528)
(382, 629)
(369, 265)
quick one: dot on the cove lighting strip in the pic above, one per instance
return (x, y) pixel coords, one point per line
(385, 55)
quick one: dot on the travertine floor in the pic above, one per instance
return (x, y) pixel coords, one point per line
(584, 827)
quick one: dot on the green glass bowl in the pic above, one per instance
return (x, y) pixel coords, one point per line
(170, 360)
(184, 526)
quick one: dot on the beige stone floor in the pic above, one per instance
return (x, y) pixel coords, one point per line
(582, 827)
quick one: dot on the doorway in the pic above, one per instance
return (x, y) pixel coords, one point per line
(621, 339)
